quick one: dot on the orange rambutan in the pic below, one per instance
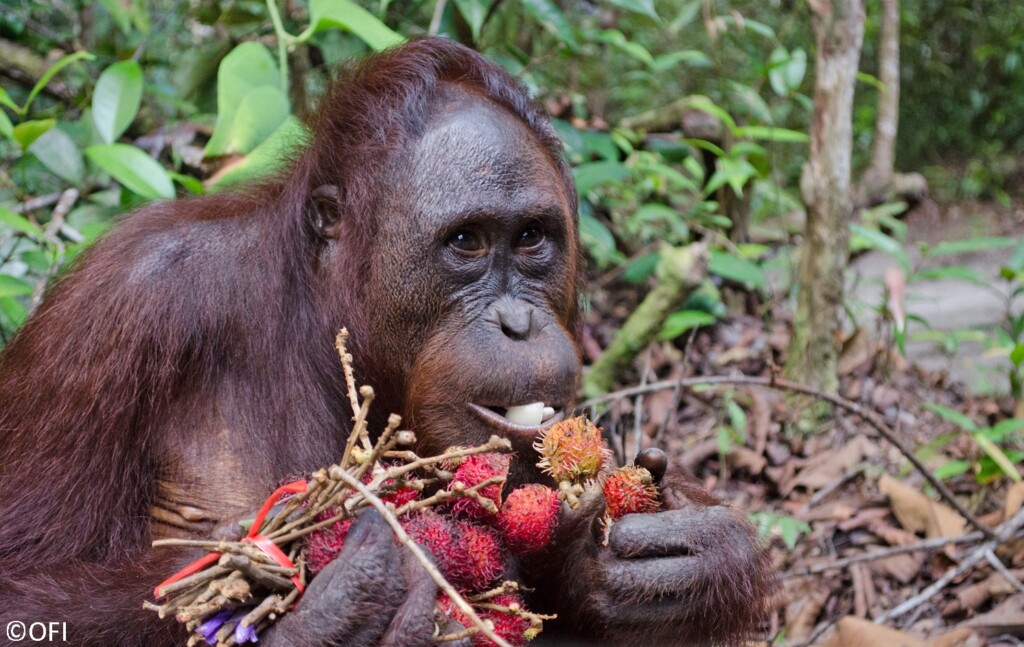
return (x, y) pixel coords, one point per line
(571, 450)
(629, 490)
(528, 518)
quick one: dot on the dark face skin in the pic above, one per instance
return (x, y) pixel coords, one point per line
(471, 278)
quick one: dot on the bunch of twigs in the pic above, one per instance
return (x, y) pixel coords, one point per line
(235, 592)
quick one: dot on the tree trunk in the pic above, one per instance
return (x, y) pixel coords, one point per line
(838, 33)
(876, 184)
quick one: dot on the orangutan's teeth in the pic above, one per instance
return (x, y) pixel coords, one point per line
(549, 412)
(530, 415)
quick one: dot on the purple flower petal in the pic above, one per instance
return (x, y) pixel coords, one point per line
(245, 634)
(212, 625)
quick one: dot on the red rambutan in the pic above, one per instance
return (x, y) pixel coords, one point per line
(629, 490)
(482, 555)
(528, 517)
(323, 546)
(475, 470)
(515, 629)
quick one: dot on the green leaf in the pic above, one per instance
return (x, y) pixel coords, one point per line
(260, 114)
(552, 19)
(773, 134)
(865, 238)
(645, 7)
(592, 174)
(873, 81)
(61, 63)
(268, 156)
(59, 155)
(597, 239)
(1004, 428)
(116, 99)
(998, 457)
(956, 272)
(347, 15)
(1017, 354)
(12, 287)
(640, 268)
(679, 322)
(704, 104)
(734, 268)
(957, 418)
(20, 223)
(5, 100)
(28, 131)
(6, 127)
(692, 57)
(617, 39)
(475, 12)
(952, 468)
(786, 70)
(245, 68)
(15, 312)
(191, 184)
(968, 245)
(133, 168)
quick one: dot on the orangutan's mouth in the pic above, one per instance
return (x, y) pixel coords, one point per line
(529, 419)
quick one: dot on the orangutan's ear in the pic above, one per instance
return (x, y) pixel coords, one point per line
(325, 210)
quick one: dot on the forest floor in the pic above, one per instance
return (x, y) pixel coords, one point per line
(851, 519)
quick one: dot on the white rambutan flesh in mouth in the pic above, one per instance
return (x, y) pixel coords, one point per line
(530, 415)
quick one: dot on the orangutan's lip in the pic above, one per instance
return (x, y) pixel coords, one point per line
(494, 419)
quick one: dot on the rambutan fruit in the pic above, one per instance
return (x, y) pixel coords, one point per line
(528, 517)
(448, 611)
(482, 556)
(323, 546)
(514, 628)
(473, 471)
(629, 490)
(451, 464)
(571, 450)
(438, 534)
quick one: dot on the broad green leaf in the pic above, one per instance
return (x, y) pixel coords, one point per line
(734, 268)
(552, 19)
(639, 269)
(967, 245)
(704, 104)
(1004, 428)
(28, 131)
(475, 12)
(59, 155)
(679, 322)
(260, 114)
(786, 70)
(245, 68)
(6, 127)
(13, 287)
(133, 168)
(869, 79)
(865, 238)
(13, 310)
(191, 184)
(20, 223)
(645, 7)
(592, 174)
(347, 15)
(127, 13)
(957, 418)
(116, 99)
(61, 63)
(268, 156)
(1016, 262)
(998, 457)
(1017, 354)
(5, 100)
(692, 57)
(597, 239)
(773, 134)
(617, 39)
(952, 468)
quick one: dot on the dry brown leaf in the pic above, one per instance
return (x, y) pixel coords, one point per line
(1014, 500)
(828, 466)
(1007, 618)
(917, 513)
(973, 596)
(857, 350)
(743, 457)
(903, 567)
(803, 611)
(956, 638)
(760, 417)
(857, 632)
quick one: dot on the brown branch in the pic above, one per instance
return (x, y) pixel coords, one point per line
(773, 382)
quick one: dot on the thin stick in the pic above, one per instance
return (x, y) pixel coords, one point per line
(1004, 532)
(341, 343)
(1005, 572)
(428, 565)
(882, 553)
(868, 416)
